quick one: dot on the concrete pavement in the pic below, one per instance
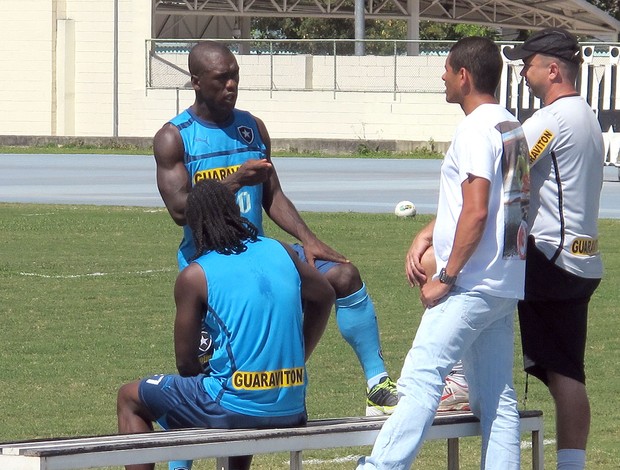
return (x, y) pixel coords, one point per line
(313, 184)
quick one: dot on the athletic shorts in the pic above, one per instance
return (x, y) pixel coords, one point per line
(322, 265)
(553, 318)
(181, 402)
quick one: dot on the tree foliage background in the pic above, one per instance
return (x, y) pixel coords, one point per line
(612, 7)
(335, 28)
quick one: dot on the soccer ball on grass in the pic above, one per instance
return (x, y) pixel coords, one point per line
(405, 209)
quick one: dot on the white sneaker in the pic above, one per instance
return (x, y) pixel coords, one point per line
(455, 396)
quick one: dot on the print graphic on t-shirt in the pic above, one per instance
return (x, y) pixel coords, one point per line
(516, 176)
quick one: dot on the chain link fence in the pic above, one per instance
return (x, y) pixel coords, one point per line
(386, 67)
(313, 65)
(331, 64)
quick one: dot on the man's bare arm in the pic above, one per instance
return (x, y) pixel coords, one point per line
(318, 296)
(190, 294)
(172, 177)
(469, 231)
(283, 212)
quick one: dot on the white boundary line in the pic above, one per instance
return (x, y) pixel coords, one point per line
(74, 276)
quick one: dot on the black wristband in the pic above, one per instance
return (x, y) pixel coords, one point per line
(445, 279)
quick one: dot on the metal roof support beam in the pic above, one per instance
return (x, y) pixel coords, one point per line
(576, 15)
(413, 26)
(360, 27)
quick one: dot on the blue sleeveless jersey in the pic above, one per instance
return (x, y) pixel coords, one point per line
(214, 151)
(254, 316)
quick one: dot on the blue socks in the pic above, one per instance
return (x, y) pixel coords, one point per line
(357, 322)
(180, 465)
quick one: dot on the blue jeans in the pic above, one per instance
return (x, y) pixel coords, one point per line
(479, 329)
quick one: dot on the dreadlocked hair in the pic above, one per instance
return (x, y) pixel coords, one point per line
(215, 220)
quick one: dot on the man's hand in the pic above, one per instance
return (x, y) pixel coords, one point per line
(251, 173)
(432, 292)
(420, 259)
(417, 260)
(316, 249)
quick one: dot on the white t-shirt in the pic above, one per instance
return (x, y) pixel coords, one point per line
(489, 143)
(566, 170)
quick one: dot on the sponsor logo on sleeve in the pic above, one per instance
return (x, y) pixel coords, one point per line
(539, 147)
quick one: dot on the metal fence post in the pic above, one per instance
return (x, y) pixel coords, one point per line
(271, 82)
(395, 69)
(335, 78)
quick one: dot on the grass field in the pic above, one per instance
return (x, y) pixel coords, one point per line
(427, 151)
(87, 305)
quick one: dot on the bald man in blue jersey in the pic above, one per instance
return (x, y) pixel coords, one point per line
(213, 139)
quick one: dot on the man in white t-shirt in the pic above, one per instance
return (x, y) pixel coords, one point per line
(563, 261)
(479, 241)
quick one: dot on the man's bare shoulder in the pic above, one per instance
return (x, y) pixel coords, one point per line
(167, 131)
(167, 143)
(190, 281)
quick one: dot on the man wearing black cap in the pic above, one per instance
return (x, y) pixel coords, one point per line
(563, 261)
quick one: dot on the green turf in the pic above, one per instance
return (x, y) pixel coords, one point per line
(87, 305)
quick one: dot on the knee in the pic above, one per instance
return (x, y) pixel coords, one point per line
(345, 279)
(122, 397)
(566, 389)
(127, 398)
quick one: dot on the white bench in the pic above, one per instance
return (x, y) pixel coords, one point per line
(102, 451)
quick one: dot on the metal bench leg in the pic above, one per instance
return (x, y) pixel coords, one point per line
(453, 453)
(221, 463)
(296, 462)
(538, 449)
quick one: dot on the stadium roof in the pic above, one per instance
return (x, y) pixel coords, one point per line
(578, 16)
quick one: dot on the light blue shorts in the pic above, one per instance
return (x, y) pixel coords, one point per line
(322, 265)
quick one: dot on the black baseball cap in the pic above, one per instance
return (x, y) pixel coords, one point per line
(555, 42)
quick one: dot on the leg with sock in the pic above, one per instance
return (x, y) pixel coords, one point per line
(357, 322)
(572, 420)
(571, 459)
(180, 465)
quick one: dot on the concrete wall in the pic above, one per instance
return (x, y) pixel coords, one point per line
(94, 65)
(26, 73)
(58, 70)
(58, 67)
(57, 79)
(362, 116)
(294, 95)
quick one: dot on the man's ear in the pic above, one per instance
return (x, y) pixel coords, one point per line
(554, 69)
(465, 79)
(195, 82)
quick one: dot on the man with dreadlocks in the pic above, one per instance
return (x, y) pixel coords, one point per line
(248, 291)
